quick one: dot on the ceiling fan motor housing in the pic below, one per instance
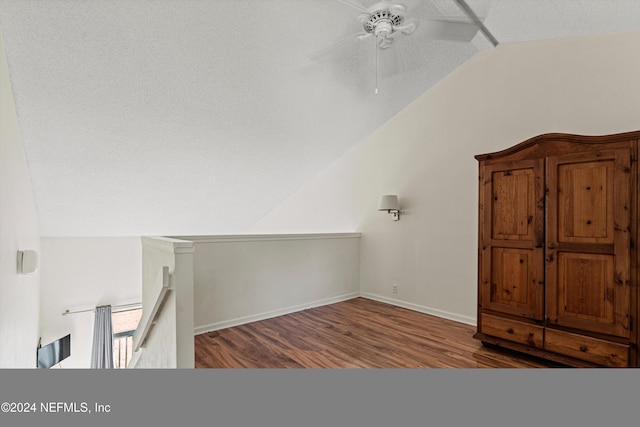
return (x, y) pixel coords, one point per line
(381, 22)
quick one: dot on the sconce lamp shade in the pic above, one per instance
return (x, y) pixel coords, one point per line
(388, 203)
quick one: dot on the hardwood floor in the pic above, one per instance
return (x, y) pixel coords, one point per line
(359, 333)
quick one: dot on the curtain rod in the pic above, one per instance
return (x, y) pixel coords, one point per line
(114, 309)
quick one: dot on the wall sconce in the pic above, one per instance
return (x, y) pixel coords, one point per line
(27, 262)
(390, 204)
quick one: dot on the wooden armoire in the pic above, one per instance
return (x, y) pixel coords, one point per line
(557, 252)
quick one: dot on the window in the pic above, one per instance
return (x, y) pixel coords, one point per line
(124, 325)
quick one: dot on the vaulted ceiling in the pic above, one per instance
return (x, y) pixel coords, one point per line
(199, 117)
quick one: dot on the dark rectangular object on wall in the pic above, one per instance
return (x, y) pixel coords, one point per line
(53, 353)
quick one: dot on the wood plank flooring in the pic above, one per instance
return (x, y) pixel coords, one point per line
(359, 333)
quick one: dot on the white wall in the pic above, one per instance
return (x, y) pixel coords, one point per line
(241, 279)
(19, 294)
(425, 155)
(82, 273)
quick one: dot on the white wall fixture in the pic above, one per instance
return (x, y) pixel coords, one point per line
(390, 204)
(27, 262)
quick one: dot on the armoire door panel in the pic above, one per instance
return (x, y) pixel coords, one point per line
(515, 281)
(511, 273)
(511, 267)
(585, 287)
(512, 204)
(588, 241)
(585, 190)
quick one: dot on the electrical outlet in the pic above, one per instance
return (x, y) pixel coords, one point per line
(394, 288)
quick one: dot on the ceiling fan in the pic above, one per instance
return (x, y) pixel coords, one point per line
(385, 21)
(389, 22)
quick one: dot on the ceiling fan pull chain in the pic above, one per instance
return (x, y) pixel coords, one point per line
(376, 48)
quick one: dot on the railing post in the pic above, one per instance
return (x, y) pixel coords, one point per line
(170, 343)
(183, 290)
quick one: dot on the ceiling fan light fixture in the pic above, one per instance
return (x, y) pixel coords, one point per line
(383, 29)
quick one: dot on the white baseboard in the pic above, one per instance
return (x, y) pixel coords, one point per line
(422, 309)
(274, 313)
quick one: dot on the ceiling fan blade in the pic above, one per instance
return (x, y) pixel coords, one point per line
(449, 30)
(397, 9)
(363, 35)
(390, 62)
(397, 60)
(408, 27)
(342, 46)
(354, 4)
(401, 32)
(363, 17)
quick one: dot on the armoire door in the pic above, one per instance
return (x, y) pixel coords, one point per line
(588, 241)
(512, 229)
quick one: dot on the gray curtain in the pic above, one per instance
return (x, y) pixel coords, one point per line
(102, 351)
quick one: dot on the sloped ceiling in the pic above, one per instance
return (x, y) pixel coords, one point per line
(181, 117)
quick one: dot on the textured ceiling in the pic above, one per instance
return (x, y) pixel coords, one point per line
(181, 117)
